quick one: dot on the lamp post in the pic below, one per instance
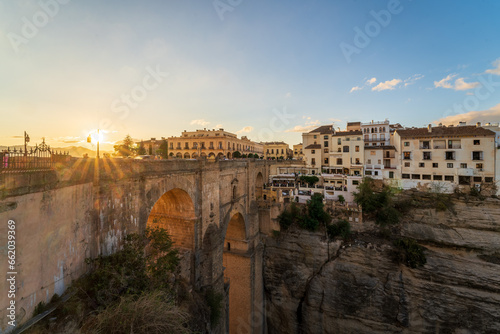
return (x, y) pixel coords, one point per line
(89, 140)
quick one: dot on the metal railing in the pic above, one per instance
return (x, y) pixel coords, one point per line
(33, 158)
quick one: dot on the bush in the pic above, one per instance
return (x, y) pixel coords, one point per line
(153, 313)
(378, 205)
(214, 302)
(309, 223)
(342, 228)
(409, 252)
(341, 199)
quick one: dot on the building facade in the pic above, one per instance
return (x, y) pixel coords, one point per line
(298, 152)
(447, 156)
(211, 144)
(277, 150)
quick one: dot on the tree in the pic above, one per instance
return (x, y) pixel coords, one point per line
(378, 205)
(341, 199)
(236, 154)
(310, 180)
(163, 150)
(244, 156)
(126, 148)
(141, 150)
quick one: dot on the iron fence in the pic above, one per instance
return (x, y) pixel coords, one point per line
(33, 158)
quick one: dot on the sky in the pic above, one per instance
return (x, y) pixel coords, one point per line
(269, 70)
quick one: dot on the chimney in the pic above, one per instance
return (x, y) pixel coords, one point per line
(429, 128)
(478, 124)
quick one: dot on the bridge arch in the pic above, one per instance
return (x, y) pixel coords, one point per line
(237, 269)
(175, 212)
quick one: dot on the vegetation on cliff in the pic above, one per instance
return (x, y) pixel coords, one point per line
(308, 217)
(134, 290)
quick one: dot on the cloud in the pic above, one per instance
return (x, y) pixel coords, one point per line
(387, 85)
(472, 117)
(288, 95)
(459, 83)
(495, 70)
(219, 126)
(308, 126)
(355, 88)
(371, 81)
(246, 129)
(411, 80)
(201, 122)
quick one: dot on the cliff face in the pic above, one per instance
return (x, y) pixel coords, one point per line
(313, 287)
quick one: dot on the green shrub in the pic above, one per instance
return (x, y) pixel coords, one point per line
(378, 205)
(214, 302)
(39, 308)
(342, 228)
(309, 223)
(409, 252)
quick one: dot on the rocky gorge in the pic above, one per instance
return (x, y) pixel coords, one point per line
(314, 285)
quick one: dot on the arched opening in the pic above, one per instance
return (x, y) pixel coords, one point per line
(237, 271)
(259, 185)
(211, 155)
(179, 155)
(174, 212)
(195, 155)
(229, 155)
(220, 156)
(186, 156)
(203, 155)
(171, 155)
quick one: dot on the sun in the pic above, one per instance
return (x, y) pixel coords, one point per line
(95, 136)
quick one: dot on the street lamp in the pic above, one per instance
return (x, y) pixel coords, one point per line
(89, 140)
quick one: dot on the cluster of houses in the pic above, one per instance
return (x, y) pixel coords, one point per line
(439, 158)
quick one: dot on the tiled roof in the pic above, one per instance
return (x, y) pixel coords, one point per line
(443, 131)
(348, 133)
(324, 129)
(313, 146)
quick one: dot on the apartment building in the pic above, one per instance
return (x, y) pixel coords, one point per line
(298, 152)
(448, 156)
(316, 150)
(277, 150)
(211, 144)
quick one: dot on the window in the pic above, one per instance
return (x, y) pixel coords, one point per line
(488, 179)
(379, 161)
(406, 155)
(315, 136)
(479, 166)
(325, 150)
(268, 151)
(427, 155)
(272, 151)
(326, 161)
(438, 177)
(425, 144)
(478, 179)
(339, 161)
(464, 180)
(325, 143)
(391, 175)
(435, 165)
(477, 155)
(339, 141)
(449, 165)
(405, 176)
(339, 150)
(368, 172)
(325, 137)
(313, 161)
(477, 142)
(346, 149)
(375, 172)
(212, 144)
(312, 151)
(369, 161)
(179, 146)
(415, 176)
(348, 139)
(463, 165)
(357, 161)
(421, 164)
(426, 177)
(355, 182)
(450, 155)
(407, 164)
(406, 143)
(449, 178)
(357, 149)
(281, 151)
(171, 146)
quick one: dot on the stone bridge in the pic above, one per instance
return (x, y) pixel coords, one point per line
(86, 209)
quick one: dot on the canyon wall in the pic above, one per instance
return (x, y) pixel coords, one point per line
(313, 286)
